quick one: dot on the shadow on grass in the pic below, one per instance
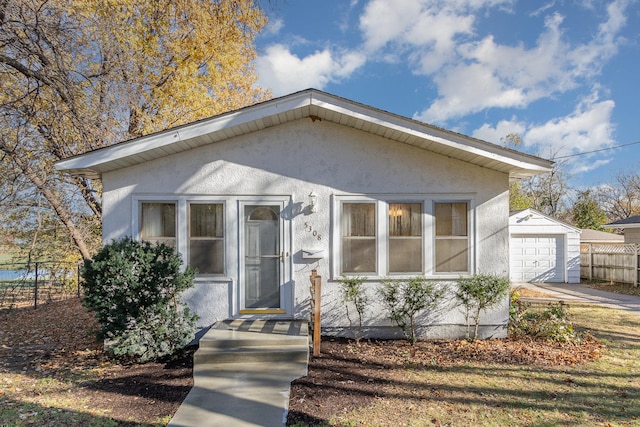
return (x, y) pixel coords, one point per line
(15, 412)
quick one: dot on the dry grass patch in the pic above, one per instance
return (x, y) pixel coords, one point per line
(514, 382)
(618, 288)
(54, 373)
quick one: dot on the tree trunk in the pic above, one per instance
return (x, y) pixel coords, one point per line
(57, 204)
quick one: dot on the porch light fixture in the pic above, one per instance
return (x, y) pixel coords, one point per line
(312, 202)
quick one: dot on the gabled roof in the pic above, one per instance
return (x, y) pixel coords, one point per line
(316, 105)
(631, 222)
(526, 214)
(595, 236)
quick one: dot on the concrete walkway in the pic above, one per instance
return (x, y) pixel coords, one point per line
(581, 293)
(242, 374)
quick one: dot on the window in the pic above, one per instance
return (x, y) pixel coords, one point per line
(405, 238)
(158, 223)
(206, 238)
(358, 238)
(452, 237)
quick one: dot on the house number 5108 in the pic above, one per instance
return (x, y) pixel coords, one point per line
(314, 233)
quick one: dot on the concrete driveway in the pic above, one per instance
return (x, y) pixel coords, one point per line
(581, 293)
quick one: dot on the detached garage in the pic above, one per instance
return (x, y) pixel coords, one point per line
(543, 249)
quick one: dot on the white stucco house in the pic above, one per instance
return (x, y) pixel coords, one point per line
(257, 198)
(543, 249)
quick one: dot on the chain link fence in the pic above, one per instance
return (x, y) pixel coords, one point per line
(36, 283)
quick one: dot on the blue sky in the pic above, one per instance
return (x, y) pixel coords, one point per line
(565, 75)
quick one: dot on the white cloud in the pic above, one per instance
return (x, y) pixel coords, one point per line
(585, 129)
(284, 72)
(482, 74)
(496, 134)
(274, 26)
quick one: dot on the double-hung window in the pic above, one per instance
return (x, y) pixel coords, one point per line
(452, 237)
(405, 238)
(206, 237)
(358, 238)
(158, 222)
(379, 236)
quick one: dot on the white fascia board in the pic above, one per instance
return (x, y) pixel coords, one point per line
(182, 133)
(421, 130)
(91, 161)
(532, 211)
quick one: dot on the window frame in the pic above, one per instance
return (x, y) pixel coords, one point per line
(389, 238)
(141, 222)
(182, 203)
(189, 238)
(376, 237)
(428, 237)
(468, 238)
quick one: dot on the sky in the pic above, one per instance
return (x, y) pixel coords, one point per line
(563, 75)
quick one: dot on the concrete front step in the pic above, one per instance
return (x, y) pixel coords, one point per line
(243, 372)
(249, 341)
(260, 353)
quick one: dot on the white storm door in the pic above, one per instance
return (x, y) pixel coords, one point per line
(262, 259)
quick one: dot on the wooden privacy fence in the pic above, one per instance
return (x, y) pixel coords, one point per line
(613, 263)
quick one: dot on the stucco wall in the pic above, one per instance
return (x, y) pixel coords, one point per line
(293, 160)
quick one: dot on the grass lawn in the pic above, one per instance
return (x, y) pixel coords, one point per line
(481, 385)
(619, 288)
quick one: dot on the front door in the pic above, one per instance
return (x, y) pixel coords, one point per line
(262, 260)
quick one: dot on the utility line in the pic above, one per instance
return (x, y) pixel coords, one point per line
(597, 151)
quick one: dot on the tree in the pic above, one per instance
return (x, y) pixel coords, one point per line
(622, 199)
(78, 75)
(586, 212)
(547, 192)
(518, 200)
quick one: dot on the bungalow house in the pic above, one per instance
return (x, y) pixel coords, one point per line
(257, 198)
(630, 228)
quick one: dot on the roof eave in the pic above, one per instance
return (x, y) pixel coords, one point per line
(308, 103)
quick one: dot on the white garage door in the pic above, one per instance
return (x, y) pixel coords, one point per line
(537, 258)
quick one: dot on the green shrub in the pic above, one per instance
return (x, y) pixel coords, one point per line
(479, 293)
(551, 324)
(133, 288)
(405, 298)
(354, 295)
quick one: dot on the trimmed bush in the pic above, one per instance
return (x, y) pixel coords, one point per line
(133, 288)
(479, 293)
(404, 299)
(353, 294)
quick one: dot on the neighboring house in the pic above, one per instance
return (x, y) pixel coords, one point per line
(257, 198)
(543, 249)
(595, 237)
(630, 228)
